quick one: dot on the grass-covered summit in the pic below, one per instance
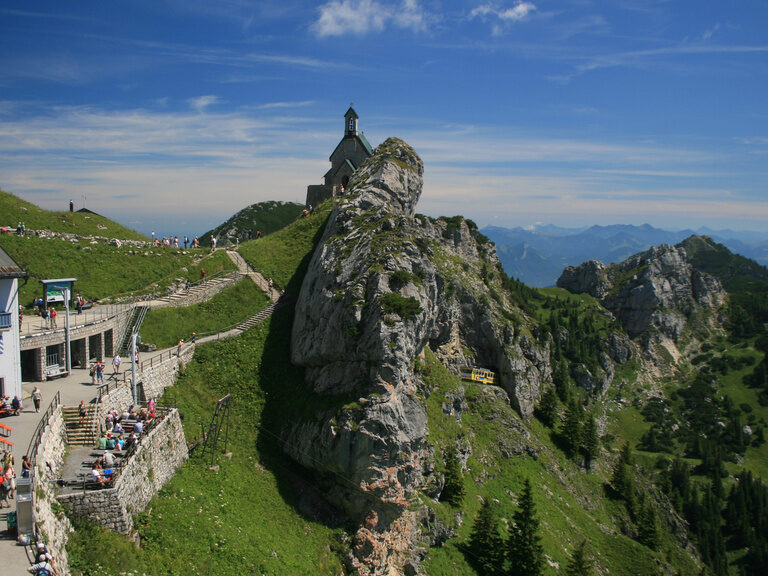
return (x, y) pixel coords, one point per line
(14, 210)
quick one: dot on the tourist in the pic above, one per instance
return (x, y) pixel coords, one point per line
(52, 313)
(99, 371)
(97, 473)
(102, 445)
(151, 405)
(37, 397)
(178, 349)
(43, 568)
(82, 411)
(109, 459)
(116, 364)
(138, 428)
(186, 241)
(5, 490)
(92, 372)
(26, 467)
(9, 478)
(15, 406)
(202, 274)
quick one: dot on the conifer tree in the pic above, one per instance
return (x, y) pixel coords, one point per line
(486, 546)
(571, 431)
(524, 550)
(648, 527)
(453, 490)
(590, 441)
(546, 411)
(579, 564)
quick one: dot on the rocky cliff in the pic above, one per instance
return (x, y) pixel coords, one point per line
(657, 289)
(382, 285)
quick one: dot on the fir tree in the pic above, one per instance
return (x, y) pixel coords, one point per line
(579, 564)
(546, 411)
(486, 546)
(648, 527)
(590, 441)
(524, 550)
(571, 431)
(453, 490)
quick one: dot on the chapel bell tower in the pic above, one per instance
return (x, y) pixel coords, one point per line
(350, 122)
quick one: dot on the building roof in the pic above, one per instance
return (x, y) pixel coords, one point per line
(9, 268)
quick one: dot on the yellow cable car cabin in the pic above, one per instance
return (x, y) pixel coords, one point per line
(480, 375)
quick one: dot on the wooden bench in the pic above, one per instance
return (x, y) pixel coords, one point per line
(54, 370)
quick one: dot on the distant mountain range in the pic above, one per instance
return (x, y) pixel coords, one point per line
(537, 255)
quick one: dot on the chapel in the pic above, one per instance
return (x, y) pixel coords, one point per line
(352, 151)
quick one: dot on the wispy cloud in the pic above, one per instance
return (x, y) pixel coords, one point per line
(359, 17)
(500, 16)
(201, 103)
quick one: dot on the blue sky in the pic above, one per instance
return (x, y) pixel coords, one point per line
(173, 115)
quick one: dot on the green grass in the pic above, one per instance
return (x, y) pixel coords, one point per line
(243, 518)
(13, 210)
(267, 217)
(284, 255)
(165, 326)
(570, 503)
(103, 270)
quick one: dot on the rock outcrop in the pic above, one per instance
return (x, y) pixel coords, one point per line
(657, 289)
(381, 286)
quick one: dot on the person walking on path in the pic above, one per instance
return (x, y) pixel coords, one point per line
(116, 364)
(52, 312)
(82, 411)
(37, 397)
(99, 371)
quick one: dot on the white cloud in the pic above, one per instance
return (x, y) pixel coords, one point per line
(202, 102)
(359, 17)
(514, 14)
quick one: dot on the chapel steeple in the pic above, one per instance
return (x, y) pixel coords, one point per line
(350, 122)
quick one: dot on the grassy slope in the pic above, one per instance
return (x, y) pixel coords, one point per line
(165, 326)
(244, 518)
(570, 503)
(103, 270)
(13, 210)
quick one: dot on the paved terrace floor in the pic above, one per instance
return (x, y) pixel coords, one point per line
(73, 388)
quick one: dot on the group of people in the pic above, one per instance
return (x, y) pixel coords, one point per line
(173, 241)
(48, 314)
(122, 432)
(8, 478)
(10, 406)
(43, 565)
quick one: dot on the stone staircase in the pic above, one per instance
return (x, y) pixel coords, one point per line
(80, 434)
(256, 318)
(181, 296)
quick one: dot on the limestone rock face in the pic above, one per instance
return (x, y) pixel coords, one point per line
(657, 289)
(382, 285)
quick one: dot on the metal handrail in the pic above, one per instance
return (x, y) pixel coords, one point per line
(41, 425)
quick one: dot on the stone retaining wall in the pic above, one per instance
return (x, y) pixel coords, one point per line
(160, 375)
(161, 452)
(53, 525)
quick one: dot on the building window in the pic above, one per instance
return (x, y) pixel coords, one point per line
(6, 320)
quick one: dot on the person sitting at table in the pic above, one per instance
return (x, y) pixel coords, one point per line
(110, 442)
(138, 428)
(109, 459)
(118, 429)
(97, 473)
(103, 441)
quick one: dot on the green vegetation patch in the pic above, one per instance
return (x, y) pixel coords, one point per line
(405, 307)
(165, 326)
(105, 271)
(14, 210)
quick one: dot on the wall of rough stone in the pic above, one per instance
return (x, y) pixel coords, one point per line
(158, 376)
(54, 526)
(161, 452)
